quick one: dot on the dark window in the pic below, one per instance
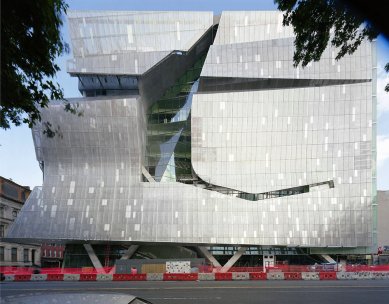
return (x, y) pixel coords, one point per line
(33, 256)
(1, 211)
(14, 213)
(14, 254)
(1, 254)
(2, 230)
(25, 255)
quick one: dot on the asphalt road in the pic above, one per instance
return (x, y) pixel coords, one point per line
(242, 292)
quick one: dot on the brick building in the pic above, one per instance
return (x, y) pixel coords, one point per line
(12, 198)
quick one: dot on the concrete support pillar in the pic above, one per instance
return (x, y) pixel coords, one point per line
(130, 252)
(328, 258)
(209, 256)
(93, 257)
(148, 176)
(233, 259)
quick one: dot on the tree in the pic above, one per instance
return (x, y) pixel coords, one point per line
(319, 22)
(30, 43)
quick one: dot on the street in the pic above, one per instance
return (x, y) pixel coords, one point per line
(342, 292)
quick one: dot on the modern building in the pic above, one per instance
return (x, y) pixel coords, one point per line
(197, 130)
(12, 198)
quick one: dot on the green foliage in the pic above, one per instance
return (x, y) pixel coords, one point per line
(319, 22)
(313, 21)
(30, 43)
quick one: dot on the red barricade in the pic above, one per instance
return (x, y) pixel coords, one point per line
(245, 269)
(330, 275)
(180, 277)
(129, 277)
(258, 276)
(54, 277)
(292, 276)
(22, 277)
(87, 277)
(137, 277)
(121, 277)
(219, 276)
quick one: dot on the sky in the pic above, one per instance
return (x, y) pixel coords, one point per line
(17, 154)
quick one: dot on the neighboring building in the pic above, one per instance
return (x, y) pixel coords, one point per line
(12, 198)
(52, 255)
(383, 220)
(200, 132)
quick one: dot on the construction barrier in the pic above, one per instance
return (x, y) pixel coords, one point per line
(206, 277)
(275, 276)
(292, 276)
(9, 277)
(154, 277)
(55, 277)
(121, 277)
(327, 275)
(129, 277)
(39, 277)
(180, 276)
(240, 276)
(22, 277)
(345, 275)
(223, 276)
(310, 276)
(87, 277)
(103, 277)
(71, 277)
(256, 276)
(380, 275)
(330, 275)
(364, 275)
(137, 277)
(203, 269)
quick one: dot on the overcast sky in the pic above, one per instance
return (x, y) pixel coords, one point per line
(17, 155)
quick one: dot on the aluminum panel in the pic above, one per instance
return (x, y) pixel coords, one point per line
(130, 42)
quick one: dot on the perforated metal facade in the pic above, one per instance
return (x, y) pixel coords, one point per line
(252, 152)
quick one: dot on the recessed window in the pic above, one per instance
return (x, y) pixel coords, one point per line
(1, 254)
(25, 255)
(2, 228)
(14, 254)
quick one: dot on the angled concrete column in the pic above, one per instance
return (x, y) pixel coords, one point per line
(328, 258)
(93, 257)
(129, 253)
(209, 256)
(148, 176)
(233, 259)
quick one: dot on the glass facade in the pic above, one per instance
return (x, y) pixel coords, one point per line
(237, 148)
